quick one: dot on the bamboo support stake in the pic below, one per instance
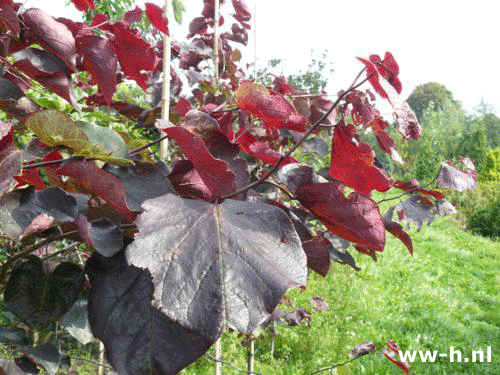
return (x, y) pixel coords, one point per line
(216, 41)
(165, 108)
(251, 354)
(100, 367)
(218, 357)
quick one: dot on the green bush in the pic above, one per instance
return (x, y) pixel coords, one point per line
(486, 221)
(483, 195)
(490, 170)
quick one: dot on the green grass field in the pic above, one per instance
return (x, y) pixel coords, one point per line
(447, 294)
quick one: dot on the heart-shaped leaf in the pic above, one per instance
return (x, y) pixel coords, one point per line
(38, 298)
(235, 260)
(139, 338)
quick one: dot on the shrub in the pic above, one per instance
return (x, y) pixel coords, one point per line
(486, 221)
(490, 170)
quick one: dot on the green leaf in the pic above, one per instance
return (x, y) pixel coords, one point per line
(109, 140)
(179, 8)
(55, 128)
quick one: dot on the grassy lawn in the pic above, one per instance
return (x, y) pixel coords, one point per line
(447, 294)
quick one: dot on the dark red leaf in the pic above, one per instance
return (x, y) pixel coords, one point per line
(392, 353)
(100, 60)
(135, 55)
(352, 162)
(93, 180)
(9, 20)
(242, 11)
(84, 5)
(156, 17)
(362, 110)
(166, 347)
(10, 158)
(372, 72)
(214, 172)
(397, 231)
(414, 186)
(318, 256)
(259, 149)
(52, 35)
(48, 70)
(273, 109)
(281, 86)
(183, 106)
(187, 182)
(388, 69)
(355, 218)
(134, 15)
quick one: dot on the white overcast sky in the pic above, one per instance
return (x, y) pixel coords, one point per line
(455, 43)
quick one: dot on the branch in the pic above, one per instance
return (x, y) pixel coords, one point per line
(55, 162)
(276, 166)
(29, 250)
(411, 191)
(139, 149)
(337, 364)
(231, 365)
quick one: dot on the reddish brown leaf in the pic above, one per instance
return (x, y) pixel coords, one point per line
(414, 186)
(373, 75)
(48, 70)
(10, 158)
(100, 60)
(135, 55)
(134, 15)
(183, 106)
(9, 21)
(362, 349)
(355, 218)
(259, 149)
(318, 256)
(40, 223)
(352, 162)
(93, 180)
(388, 69)
(214, 172)
(84, 5)
(392, 353)
(242, 11)
(156, 17)
(52, 35)
(273, 109)
(397, 231)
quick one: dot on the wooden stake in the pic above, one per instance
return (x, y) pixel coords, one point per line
(216, 41)
(251, 354)
(100, 367)
(165, 108)
(218, 357)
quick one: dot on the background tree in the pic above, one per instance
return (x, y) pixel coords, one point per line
(425, 94)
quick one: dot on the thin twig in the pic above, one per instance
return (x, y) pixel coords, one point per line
(139, 149)
(91, 361)
(336, 365)
(231, 365)
(411, 191)
(275, 167)
(67, 248)
(55, 162)
(29, 250)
